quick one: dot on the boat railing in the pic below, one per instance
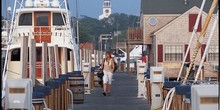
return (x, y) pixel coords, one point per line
(4, 33)
(39, 65)
(60, 33)
(42, 30)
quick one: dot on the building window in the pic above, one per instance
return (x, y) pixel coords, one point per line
(173, 53)
(58, 19)
(25, 19)
(213, 53)
(192, 21)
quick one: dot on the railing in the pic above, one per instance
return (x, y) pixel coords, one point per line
(134, 35)
(42, 33)
(4, 33)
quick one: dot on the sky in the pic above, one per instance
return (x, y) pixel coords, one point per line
(93, 8)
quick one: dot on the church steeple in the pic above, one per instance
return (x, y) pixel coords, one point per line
(106, 11)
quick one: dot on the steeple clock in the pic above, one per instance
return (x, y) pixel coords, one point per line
(106, 9)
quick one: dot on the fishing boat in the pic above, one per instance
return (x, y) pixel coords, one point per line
(50, 25)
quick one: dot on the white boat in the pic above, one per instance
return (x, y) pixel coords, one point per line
(47, 21)
(44, 21)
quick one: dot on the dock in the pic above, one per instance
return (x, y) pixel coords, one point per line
(123, 96)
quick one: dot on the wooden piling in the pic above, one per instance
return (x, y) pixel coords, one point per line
(84, 54)
(128, 57)
(90, 56)
(44, 62)
(119, 64)
(32, 60)
(80, 55)
(98, 57)
(51, 62)
(91, 73)
(57, 62)
(64, 60)
(95, 57)
(72, 61)
(51, 102)
(24, 56)
(87, 55)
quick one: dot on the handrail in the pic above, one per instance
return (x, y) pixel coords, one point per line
(59, 30)
(168, 99)
(71, 93)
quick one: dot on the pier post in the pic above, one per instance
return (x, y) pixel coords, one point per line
(84, 54)
(128, 57)
(32, 60)
(51, 62)
(80, 57)
(90, 56)
(72, 61)
(87, 55)
(23, 57)
(44, 62)
(57, 63)
(64, 60)
(98, 57)
(95, 57)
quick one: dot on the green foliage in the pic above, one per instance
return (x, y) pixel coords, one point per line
(91, 28)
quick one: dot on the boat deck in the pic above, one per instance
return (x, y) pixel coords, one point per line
(123, 96)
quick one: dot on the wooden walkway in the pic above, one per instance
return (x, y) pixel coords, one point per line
(123, 96)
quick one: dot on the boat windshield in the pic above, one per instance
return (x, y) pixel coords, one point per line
(25, 19)
(57, 19)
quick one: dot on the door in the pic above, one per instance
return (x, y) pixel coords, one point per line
(42, 27)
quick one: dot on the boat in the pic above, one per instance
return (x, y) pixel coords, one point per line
(48, 23)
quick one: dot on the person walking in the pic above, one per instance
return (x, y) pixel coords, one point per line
(108, 68)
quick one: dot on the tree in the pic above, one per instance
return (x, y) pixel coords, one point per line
(91, 28)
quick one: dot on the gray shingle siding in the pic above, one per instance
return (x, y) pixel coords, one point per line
(171, 6)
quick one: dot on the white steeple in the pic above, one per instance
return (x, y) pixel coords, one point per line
(106, 9)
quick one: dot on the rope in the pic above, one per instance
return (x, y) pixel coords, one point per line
(198, 43)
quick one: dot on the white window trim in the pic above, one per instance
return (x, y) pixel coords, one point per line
(183, 52)
(207, 55)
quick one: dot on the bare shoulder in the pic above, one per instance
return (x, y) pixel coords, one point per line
(112, 60)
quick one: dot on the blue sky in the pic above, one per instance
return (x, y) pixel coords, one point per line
(93, 8)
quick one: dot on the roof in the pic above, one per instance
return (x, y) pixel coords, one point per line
(172, 6)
